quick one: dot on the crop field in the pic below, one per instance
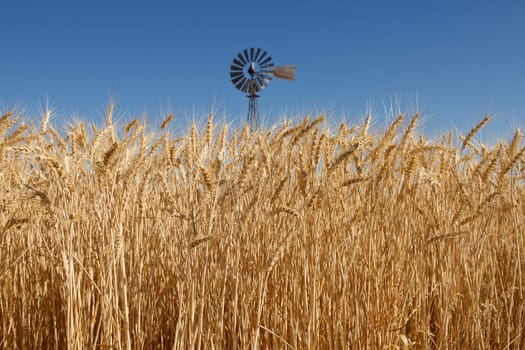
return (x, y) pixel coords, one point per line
(294, 237)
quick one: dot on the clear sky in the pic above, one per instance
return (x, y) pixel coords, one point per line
(456, 60)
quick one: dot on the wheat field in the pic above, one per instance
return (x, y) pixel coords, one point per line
(294, 237)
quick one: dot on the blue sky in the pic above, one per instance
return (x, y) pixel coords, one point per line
(455, 60)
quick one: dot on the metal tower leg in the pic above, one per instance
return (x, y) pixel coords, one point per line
(253, 117)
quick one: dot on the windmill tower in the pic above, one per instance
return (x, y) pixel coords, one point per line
(251, 71)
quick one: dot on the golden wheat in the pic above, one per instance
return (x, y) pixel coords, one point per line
(296, 237)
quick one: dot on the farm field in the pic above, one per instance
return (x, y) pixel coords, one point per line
(295, 237)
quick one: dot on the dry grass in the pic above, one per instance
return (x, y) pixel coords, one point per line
(293, 238)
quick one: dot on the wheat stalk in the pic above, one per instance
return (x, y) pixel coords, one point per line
(166, 121)
(474, 131)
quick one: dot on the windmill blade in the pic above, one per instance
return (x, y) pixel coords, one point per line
(235, 68)
(241, 84)
(252, 54)
(245, 85)
(261, 82)
(236, 72)
(236, 79)
(238, 63)
(238, 83)
(257, 53)
(263, 63)
(262, 57)
(234, 75)
(242, 59)
(284, 72)
(267, 78)
(246, 55)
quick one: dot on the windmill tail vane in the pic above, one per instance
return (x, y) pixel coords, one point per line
(251, 71)
(285, 72)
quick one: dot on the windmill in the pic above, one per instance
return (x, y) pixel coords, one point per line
(251, 71)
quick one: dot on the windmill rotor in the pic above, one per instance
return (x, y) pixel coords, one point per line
(251, 71)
